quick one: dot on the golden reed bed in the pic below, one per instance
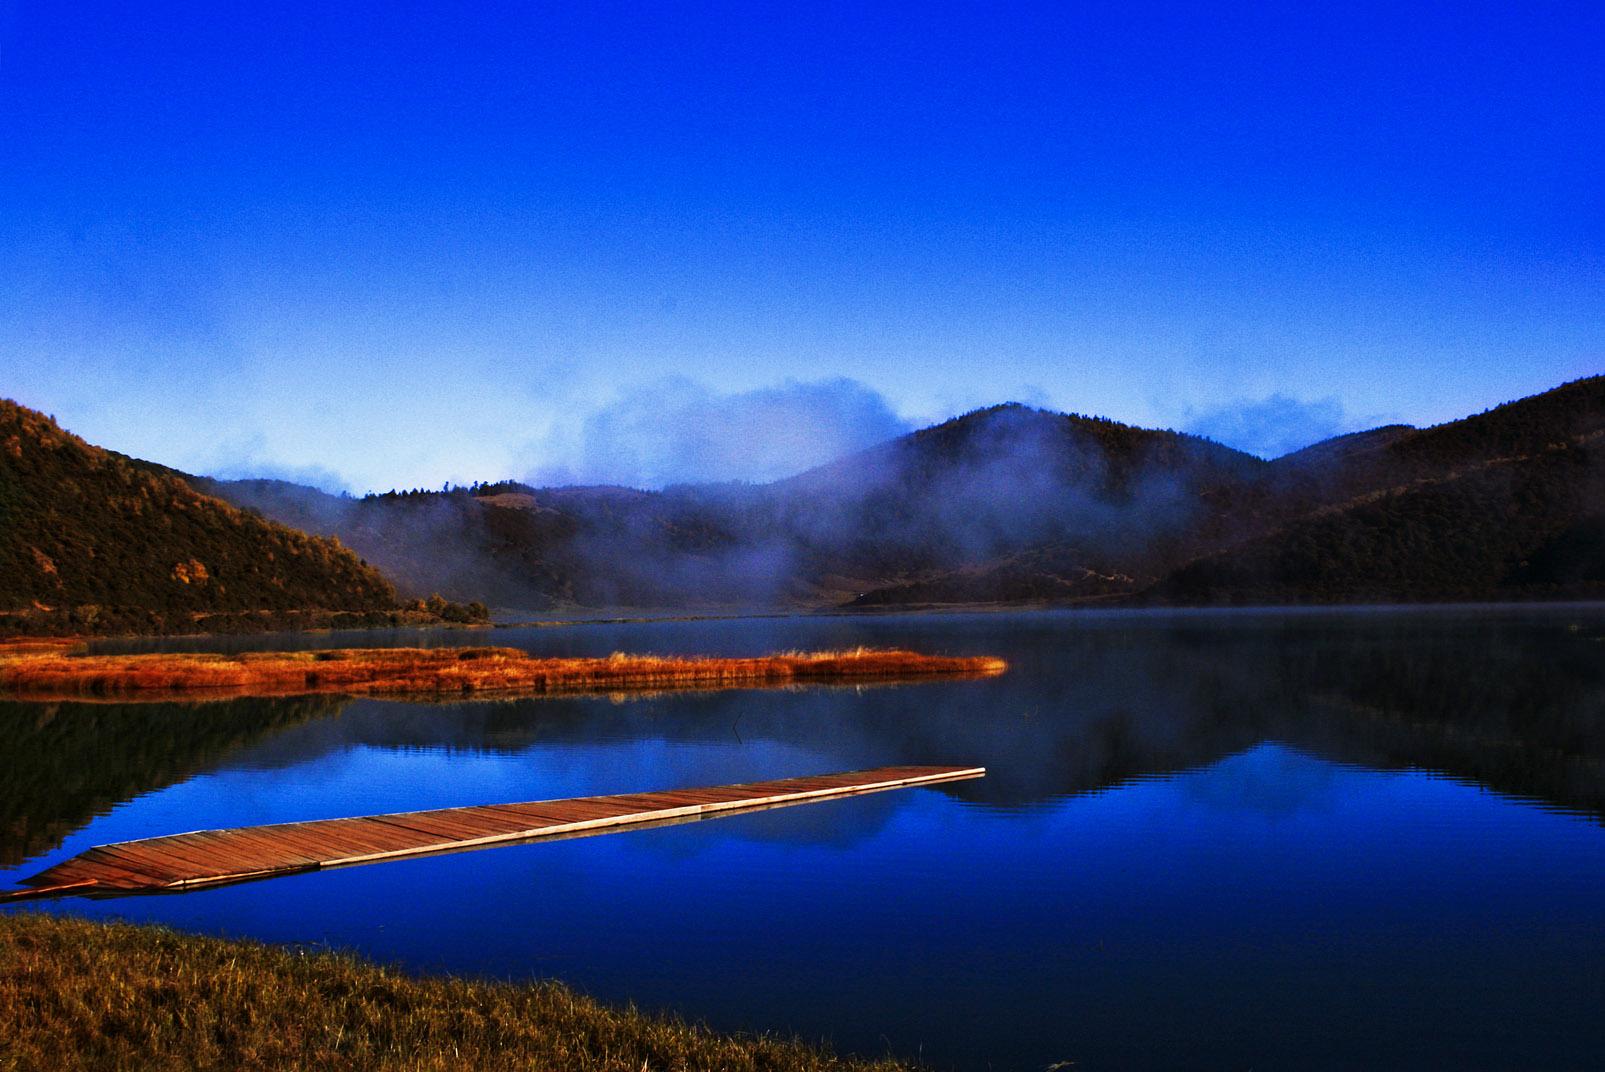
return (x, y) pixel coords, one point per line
(48, 672)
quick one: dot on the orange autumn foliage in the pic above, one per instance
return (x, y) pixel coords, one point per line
(53, 674)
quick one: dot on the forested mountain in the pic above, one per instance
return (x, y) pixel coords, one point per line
(1004, 481)
(92, 540)
(1524, 526)
(997, 483)
(1011, 504)
(1507, 504)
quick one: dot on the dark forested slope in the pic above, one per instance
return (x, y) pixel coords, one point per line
(92, 539)
(1506, 504)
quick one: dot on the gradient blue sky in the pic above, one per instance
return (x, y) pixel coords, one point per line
(401, 244)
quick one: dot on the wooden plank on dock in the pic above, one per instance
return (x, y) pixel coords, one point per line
(212, 857)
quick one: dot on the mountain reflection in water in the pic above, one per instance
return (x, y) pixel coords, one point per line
(1513, 704)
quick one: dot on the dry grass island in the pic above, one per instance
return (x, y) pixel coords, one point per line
(51, 670)
(76, 994)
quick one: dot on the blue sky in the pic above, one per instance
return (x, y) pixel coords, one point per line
(394, 244)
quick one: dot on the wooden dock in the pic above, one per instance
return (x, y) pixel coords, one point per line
(179, 862)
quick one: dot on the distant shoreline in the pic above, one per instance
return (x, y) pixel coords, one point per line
(1080, 607)
(610, 617)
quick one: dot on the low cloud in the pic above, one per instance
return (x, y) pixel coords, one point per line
(1272, 426)
(678, 431)
(248, 458)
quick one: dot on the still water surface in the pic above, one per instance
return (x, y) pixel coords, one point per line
(1207, 840)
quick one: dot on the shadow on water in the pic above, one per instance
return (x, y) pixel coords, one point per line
(71, 762)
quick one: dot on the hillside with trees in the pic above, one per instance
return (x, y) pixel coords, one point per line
(1016, 505)
(1108, 500)
(1506, 504)
(92, 541)
(1528, 527)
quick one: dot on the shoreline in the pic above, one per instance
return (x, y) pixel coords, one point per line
(1099, 609)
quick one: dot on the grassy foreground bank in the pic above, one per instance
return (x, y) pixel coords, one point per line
(79, 994)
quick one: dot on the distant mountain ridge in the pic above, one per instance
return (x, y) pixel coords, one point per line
(1014, 504)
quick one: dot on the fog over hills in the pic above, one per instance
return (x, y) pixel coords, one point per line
(1014, 504)
(1008, 504)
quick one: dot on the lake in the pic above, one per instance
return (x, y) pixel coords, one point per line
(1323, 838)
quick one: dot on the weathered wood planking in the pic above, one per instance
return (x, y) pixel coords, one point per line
(210, 857)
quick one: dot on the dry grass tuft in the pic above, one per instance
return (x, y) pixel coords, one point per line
(55, 674)
(77, 994)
